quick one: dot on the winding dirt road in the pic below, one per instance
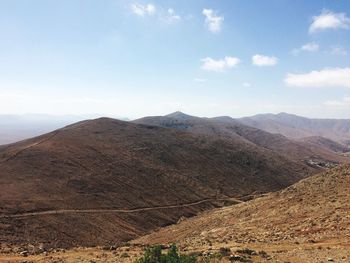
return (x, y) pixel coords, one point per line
(87, 211)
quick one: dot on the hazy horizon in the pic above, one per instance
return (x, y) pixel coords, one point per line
(204, 58)
(72, 118)
(152, 131)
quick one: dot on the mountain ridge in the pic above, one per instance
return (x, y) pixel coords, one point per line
(297, 127)
(107, 164)
(229, 128)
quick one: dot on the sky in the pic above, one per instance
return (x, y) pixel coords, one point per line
(206, 58)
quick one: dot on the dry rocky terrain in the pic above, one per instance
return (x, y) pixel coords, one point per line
(105, 181)
(308, 222)
(218, 189)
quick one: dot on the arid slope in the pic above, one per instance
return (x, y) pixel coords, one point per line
(105, 181)
(297, 127)
(231, 129)
(308, 215)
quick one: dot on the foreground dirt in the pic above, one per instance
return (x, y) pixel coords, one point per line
(316, 208)
(308, 222)
(308, 219)
(323, 251)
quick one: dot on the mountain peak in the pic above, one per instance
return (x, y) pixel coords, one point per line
(179, 115)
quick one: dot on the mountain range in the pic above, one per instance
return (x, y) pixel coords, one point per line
(298, 127)
(115, 180)
(306, 150)
(106, 181)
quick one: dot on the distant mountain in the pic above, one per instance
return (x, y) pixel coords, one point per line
(14, 128)
(310, 216)
(232, 129)
(180, 116)
(326, 143)
(106, 181)
(297, 127)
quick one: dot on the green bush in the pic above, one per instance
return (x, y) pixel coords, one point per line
(155, 255)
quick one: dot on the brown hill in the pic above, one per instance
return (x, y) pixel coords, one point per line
(326, 143)
(298, 127)
(307, 222)
(105, 181)
(228, 128)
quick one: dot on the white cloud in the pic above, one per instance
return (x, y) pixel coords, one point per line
(311, 47)
(338, 50)
(213, 21)
(261, 60)
(172, 17)
(308, 47)
(329, 20)
(168, 16)
(219, 65)
(142, 10)
(246, 84)
(335, 77)
(344, 102)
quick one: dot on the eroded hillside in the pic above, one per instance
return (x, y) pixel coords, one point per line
(107, 181)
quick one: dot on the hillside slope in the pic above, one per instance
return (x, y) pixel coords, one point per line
(326, 143)
(228, 128)
(105, 181)
(309, 218)
(298, 127)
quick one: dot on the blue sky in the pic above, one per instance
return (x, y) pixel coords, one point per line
(206, 58)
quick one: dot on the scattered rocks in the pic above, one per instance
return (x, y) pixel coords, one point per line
(263, 254)
(247, 251)
(235, 258)
(109, 248)
(182, 218)
(225, 251)
(24, 253)
(239, 258)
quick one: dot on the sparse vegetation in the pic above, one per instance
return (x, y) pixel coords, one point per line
(154, 255)
(211, 258)
(225, 251)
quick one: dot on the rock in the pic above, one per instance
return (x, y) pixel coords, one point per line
(41, 248)
(206, 254)
(113, 248)
(182, 218)
(164, 246)
(105, 247)
(247, 251)
(24, 253)
(235, 258)
(224, 251)
(330, 259)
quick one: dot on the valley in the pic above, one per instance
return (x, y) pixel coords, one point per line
(105, 182)
(151, 131)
